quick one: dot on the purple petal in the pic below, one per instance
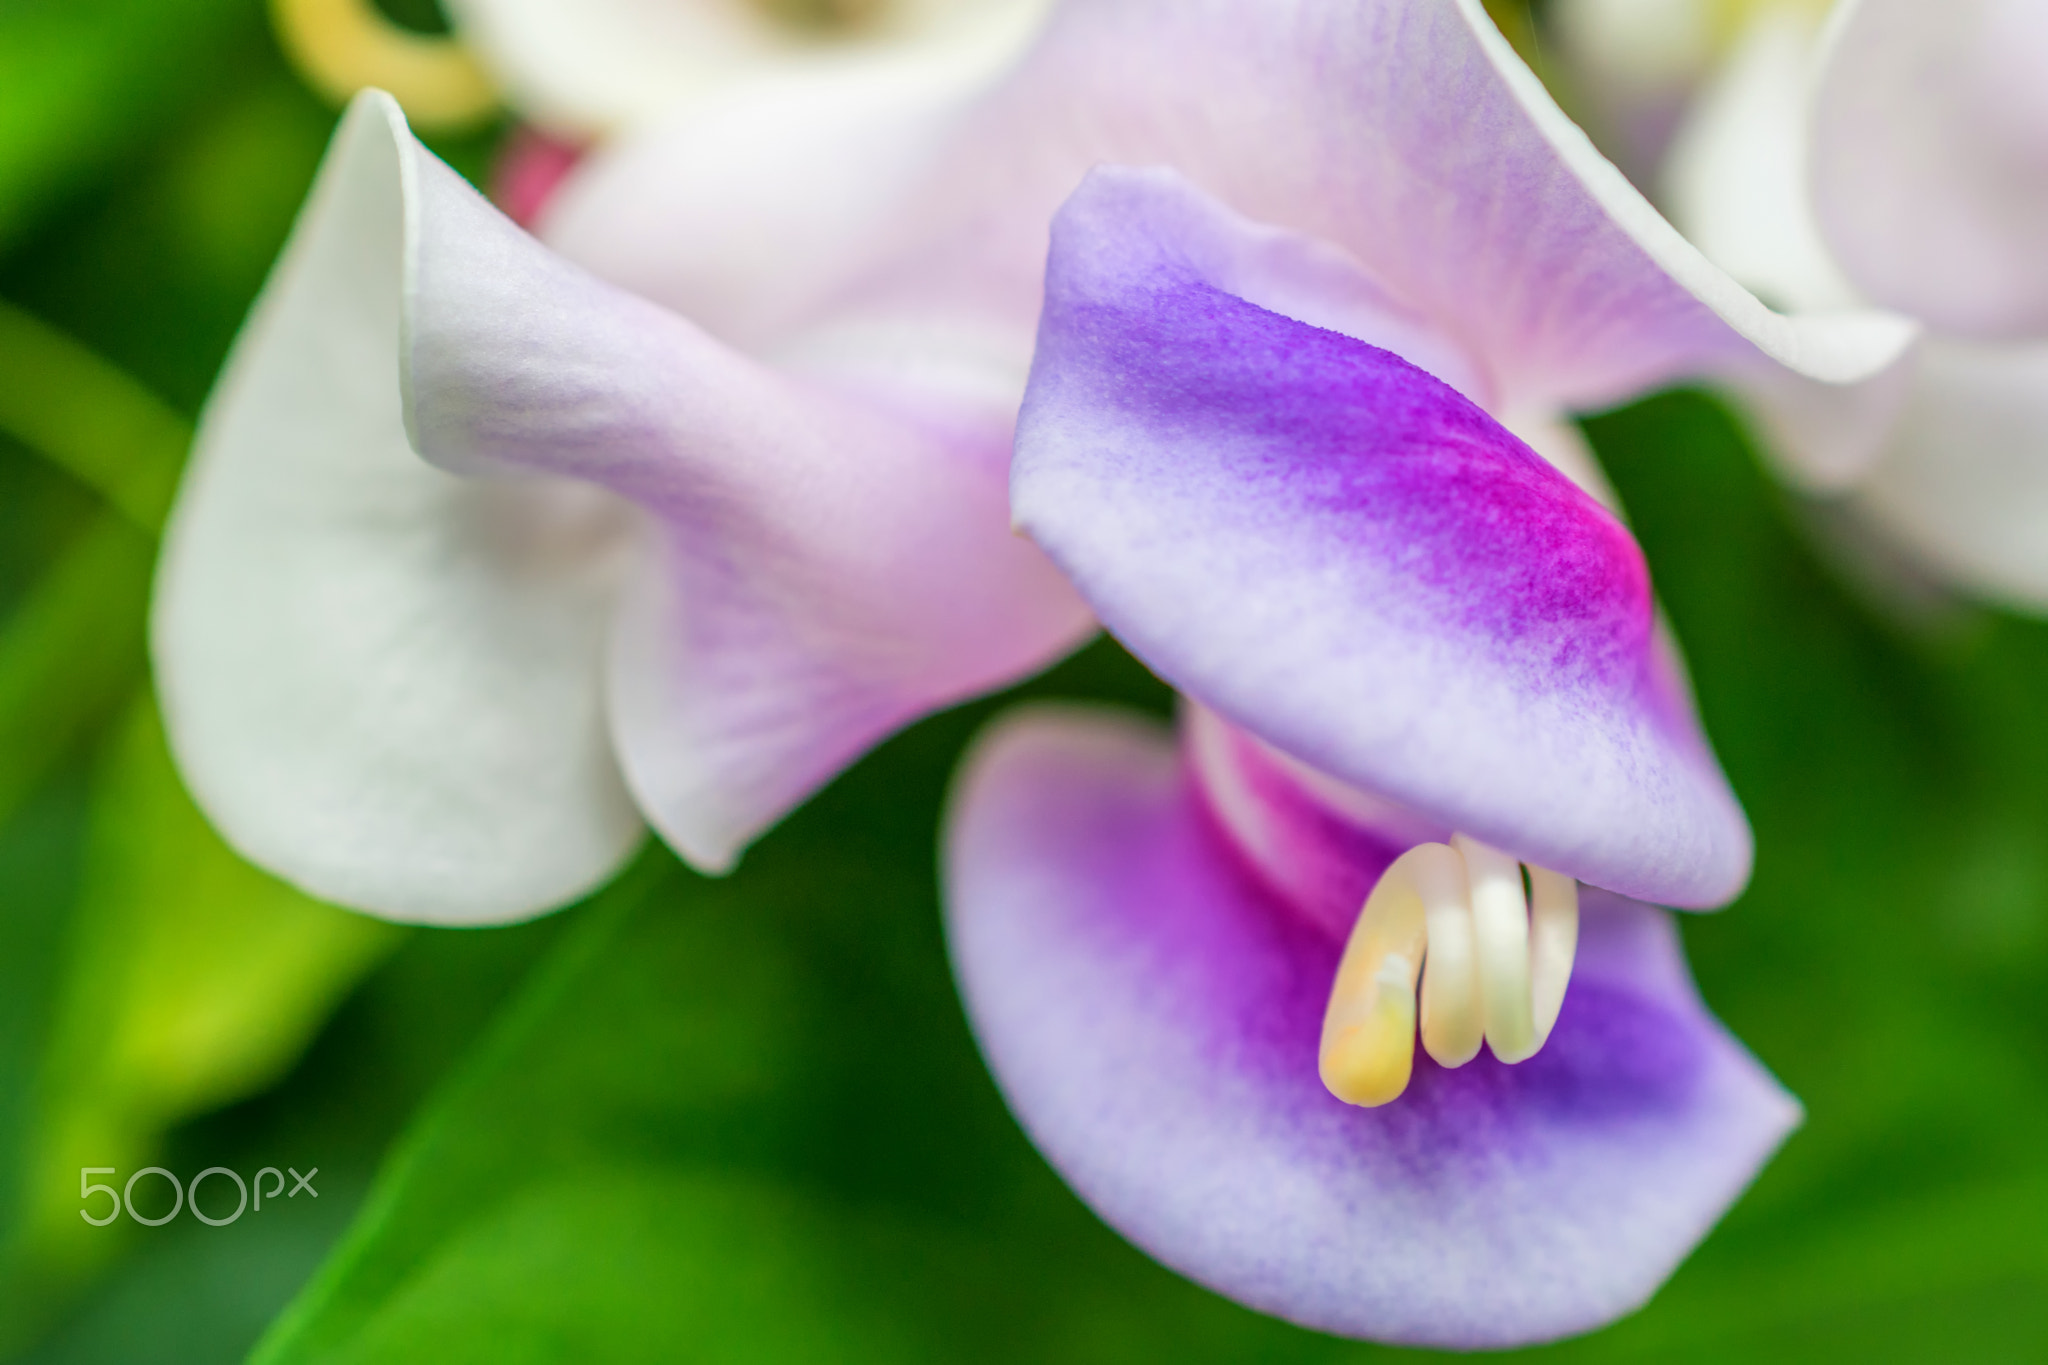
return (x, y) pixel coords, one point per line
(1929, 124)
(829, 564)
(1153, 1016)
(1403, 132)
(1347, 558)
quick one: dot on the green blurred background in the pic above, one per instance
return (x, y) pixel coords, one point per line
(744, 1120)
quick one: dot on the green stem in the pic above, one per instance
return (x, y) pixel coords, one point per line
(89, 419)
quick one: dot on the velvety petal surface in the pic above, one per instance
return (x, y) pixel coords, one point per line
(1152, 1015)
(592, 66)
(1341, 554)
(1930, 160)
(1964, 479)
(381, 681)
(827, 562)
(1404, 133)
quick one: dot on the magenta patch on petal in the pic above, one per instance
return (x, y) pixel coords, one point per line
(530, 167)
(1344, 556)
(1313, 843)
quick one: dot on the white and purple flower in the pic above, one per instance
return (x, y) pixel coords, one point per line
(714, 494)
(1417, 659)
(492, 551)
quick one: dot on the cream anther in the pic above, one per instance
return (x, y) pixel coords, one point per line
(1453, 920)
(1452, 1025)
(1500, 917)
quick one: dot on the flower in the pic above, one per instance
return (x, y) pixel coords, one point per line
(1894, 159)
(1416, 658)
(1930, 187)
(490, 550)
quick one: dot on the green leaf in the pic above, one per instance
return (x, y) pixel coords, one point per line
(192, 979)
(74, 645)
(40, 852)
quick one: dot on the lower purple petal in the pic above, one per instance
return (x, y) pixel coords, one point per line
(1152, 1015)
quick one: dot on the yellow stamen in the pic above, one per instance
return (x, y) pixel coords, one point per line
(342, 46)
(1490, 968)
(1368, 1044)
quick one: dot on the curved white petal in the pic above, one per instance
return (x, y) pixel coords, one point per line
(1736, 180)
(1964, 480)
(829, 562)
(592, 66)
(1736, 173)
(381, 681)
(1930, 159)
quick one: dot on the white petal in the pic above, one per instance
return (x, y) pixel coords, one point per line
(1736, 175)
(1824, 437)
(382, 681)
(1930, 160)
(1964, 481)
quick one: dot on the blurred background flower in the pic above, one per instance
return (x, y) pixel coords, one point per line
(1888, 156)
(744, 1119)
